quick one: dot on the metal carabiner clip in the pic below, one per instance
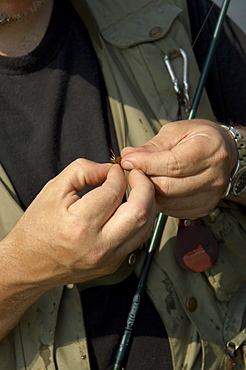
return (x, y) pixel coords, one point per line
(182, 93)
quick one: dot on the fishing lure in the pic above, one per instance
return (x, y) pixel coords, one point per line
(114, 159)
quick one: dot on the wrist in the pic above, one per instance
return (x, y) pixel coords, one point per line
(29, 270)
(237, 181)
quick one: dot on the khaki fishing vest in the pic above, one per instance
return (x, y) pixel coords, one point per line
(201, 312)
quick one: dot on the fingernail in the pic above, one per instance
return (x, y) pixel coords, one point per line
(127, 166)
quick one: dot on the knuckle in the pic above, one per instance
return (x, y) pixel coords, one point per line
(148, 231)
(217, 181)
(79, 162)
(173, 166)
(78, 165)
(141, 215)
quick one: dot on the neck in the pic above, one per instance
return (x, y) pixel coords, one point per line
(23, 36)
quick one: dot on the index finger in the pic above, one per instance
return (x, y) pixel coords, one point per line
(79, 174)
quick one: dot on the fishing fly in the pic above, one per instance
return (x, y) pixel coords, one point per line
(114, 159)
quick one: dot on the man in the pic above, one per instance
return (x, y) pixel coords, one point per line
(67, 249)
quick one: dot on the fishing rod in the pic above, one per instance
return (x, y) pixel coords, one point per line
(161, 218)
(208, 59)
(124, 344)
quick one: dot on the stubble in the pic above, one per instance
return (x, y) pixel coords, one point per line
(33, 8)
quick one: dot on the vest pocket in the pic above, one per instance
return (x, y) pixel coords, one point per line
(138, 40)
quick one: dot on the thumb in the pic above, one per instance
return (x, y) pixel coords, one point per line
(133, 158)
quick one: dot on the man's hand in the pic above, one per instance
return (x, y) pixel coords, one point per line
(189, 162)
(68, 239)
(64, 239)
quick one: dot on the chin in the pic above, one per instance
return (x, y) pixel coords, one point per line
(18, 9)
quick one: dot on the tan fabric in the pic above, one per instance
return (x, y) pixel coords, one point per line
(51, 334)
(10, 211)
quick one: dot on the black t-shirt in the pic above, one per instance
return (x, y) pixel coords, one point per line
(54, 106)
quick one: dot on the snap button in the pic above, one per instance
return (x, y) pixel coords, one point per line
(132, 259)
(187, 223)
(191, 304)
(155, 31)
(70, 286)
(83, 357)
